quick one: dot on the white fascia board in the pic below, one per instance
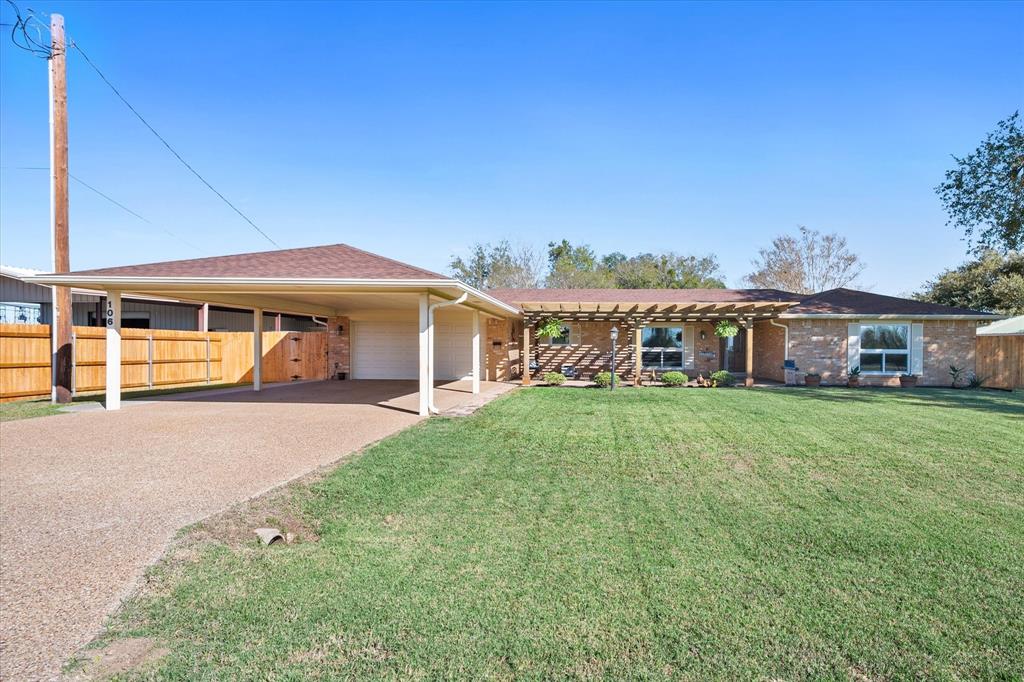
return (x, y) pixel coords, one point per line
(903, 316)
(127, 283)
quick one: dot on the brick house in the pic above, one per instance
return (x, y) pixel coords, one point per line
(660, 330)
(388, 320)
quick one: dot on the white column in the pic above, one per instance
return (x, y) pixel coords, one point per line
(113, 314)
(257, 348)
(425, 387)
(204, 318)
(476, 351)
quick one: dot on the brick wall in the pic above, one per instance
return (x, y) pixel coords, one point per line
(501, 350)
(591, 355)
(820, 346)
(769, 351)
(339, 346)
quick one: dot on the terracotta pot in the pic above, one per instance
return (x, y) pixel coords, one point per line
(812, 380)
(908, 382)
(853, 381)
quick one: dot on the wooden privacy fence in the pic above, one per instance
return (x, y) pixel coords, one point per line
(152, 358)
(1000, 361)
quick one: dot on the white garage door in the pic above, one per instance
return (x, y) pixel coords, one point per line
(390, 350)
(385, 350)
(453, 356)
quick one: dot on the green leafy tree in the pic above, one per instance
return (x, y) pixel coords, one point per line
(994, 282)
(667, 271)
(806, 263)
(984, 194)
(576, 267)
(498, 266)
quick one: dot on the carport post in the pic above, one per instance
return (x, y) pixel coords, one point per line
(476, 351)
(257, 348)
(113, 387)
(425, 387)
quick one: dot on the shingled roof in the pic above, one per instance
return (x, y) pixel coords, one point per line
(666, 296)
(337, 261)
(853, 302)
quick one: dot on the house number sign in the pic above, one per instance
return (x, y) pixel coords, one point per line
(110, 313)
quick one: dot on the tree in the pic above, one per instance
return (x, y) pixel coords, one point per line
(984, 194)
(665, 271)
(498, 266)
(806, 263)
(576, 267)
(993, 282)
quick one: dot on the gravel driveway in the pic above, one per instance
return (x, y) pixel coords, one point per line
(88, 500)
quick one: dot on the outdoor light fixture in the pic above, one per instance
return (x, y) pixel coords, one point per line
(703, 335)
(615, 337)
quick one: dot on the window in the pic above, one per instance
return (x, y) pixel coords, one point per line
(662, 347)
(885, 348)
(563, 339)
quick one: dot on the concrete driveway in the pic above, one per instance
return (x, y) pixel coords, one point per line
(88, 500)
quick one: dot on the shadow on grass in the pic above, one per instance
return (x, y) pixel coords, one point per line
(990, 400)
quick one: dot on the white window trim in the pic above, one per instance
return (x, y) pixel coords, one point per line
(681, 348)
(895, 351)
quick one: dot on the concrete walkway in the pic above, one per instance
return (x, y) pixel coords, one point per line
(89, 499)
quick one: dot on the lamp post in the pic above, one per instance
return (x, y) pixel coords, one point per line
(615, 337)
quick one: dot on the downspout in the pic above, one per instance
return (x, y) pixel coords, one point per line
(430, 346)
(316, 321)
(772, 321)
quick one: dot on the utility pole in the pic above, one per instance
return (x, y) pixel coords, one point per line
(60, 327)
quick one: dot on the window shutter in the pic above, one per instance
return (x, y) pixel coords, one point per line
(852, 346)
(688, 361)
(574, 335)
(917, 349)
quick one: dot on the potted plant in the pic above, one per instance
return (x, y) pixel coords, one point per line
(726, 328)
(908, 381)
(812, 379)
(853, 381)
(550, 328)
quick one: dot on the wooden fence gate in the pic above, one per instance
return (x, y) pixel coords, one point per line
(153, 358)
(1000, 361)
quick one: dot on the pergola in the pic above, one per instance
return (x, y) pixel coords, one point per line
(636, 316)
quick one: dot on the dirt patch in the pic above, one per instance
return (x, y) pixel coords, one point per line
(118, 657)
(280, 509)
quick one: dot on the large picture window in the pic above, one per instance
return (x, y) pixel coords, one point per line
(662, 347)
(885, 348)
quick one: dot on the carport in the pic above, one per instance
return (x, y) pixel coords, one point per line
(385, 319)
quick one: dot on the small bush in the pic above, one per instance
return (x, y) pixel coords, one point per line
(554, 378)
(975, 382)
(604, 379)
(723, 378)
(674, 379)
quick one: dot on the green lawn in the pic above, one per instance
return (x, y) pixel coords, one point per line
(650, 533)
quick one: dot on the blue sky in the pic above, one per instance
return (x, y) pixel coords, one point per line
(414, 130)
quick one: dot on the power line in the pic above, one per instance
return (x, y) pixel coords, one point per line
(95, 68)
(115, 202)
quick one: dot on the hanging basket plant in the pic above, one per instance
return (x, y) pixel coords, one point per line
(550, 328)
(726, 328)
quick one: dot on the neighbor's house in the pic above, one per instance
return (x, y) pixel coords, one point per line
(25, 302)
(391, 320)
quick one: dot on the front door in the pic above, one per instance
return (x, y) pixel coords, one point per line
(732, 353)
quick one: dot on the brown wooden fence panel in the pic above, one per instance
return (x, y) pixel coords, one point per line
(1000, 361)
(156, 357)
(24, 360)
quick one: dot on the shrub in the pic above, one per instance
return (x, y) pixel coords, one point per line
(674, 378)
(975, 382)
(723, 378)
(604, 379)
(554, 378)
(956, 374)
